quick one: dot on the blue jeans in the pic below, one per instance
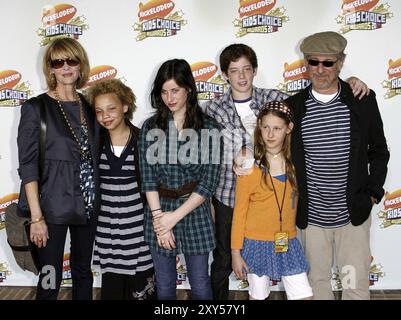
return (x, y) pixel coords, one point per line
(197, 271)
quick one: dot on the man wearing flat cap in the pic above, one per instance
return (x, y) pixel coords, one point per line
(340, 155)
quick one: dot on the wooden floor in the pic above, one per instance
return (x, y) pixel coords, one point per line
(28, 293)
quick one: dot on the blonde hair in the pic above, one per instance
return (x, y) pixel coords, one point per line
(260, 147)
(123, 93)
(66, 48)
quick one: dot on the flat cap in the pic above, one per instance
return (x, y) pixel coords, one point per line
(327, 42)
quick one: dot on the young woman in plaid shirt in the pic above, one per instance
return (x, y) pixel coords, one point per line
(178, 180)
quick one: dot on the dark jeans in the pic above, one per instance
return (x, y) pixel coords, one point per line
(51, 261)
(166, 276)
(221, 265)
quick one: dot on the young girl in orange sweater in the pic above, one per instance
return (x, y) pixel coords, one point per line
(263, 235)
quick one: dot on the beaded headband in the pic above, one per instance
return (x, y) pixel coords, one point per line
(279, 106)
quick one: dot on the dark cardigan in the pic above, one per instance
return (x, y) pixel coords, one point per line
(369, 154)
(135, 134)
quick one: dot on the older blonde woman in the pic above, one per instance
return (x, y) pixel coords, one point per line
(62, 197)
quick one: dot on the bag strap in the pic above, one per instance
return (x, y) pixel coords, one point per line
(43, 129)
(20, 248)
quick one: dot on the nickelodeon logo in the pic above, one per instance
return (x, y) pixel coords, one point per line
(394, 73)
(66, 278)
(393, 84)
(375, 272)
(11, 92)
(358, 5)
(4, 203)
(9, 78)
(207, 85)
(100, 73)
(392, 205)
(60, 13)
(392, 209)
(60, 20)
(295, 77)
(251, 7)
(55, 19)
(258, 16)
(156, 19)
(363, 15)
(155, 9)
(203, 71)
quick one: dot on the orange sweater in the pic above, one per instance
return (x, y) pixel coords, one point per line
(256, 215)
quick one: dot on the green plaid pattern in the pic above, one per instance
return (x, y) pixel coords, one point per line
(194, 234)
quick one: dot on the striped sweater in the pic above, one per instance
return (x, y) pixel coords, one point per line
(119, 245)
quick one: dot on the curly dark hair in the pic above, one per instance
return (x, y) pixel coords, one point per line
(123, 93)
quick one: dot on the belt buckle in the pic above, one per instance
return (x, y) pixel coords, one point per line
(185, 195)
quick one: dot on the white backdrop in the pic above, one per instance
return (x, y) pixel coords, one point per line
(200, 29)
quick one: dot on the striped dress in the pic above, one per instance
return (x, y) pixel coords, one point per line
(119, 245)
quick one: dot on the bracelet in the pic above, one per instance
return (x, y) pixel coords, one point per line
(36, 220)
(156, 210)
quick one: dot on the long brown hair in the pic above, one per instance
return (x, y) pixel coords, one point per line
(180, 71)
(282, 111)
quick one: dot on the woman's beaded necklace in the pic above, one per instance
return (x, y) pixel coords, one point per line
(82, 118)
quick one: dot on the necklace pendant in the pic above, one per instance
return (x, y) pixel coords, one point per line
(82, 125)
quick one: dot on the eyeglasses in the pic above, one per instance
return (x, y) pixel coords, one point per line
(58, 63)
(325, 63)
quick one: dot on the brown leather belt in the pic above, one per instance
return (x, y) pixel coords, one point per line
(182, 192)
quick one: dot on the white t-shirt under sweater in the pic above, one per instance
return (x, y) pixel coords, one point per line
(118, 150)
(323, 97)
(246, 114)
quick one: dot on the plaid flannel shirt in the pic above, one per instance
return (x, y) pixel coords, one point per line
(194, 234)
(224, 112)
